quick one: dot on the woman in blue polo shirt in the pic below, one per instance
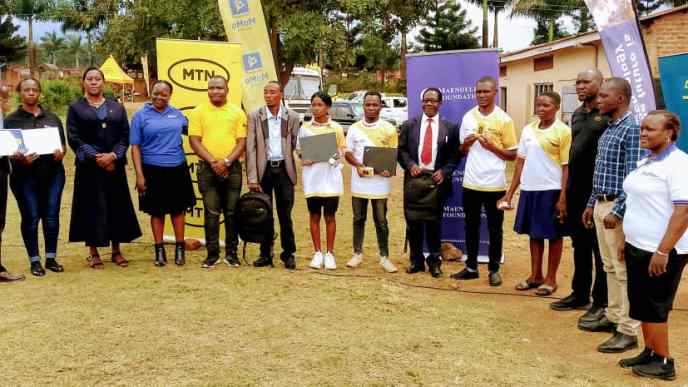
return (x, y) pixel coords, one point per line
(162, 175)
(656, 250)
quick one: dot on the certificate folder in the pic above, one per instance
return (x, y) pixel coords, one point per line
(319, 147)
(381, 159)
(40, 141)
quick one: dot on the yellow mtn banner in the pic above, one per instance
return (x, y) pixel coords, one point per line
(188, 65)
(245, 23)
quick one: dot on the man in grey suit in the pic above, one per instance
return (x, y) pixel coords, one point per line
(272, 133)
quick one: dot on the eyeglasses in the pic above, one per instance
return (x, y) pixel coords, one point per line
(428, 100)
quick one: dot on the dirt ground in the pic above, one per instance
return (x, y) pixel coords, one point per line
(187, 326)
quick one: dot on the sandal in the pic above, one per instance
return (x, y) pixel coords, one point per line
(545, 290)
(119, 260)
(525, 285)
(95, 262)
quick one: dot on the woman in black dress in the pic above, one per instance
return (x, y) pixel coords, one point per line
(102, 211)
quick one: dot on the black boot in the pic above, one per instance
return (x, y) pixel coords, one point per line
(180, 253)
(160, 258)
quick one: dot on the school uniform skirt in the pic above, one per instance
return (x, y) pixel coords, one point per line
(651, 298)
(168, 190)
(537, 215)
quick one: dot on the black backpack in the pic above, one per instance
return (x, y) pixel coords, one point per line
(254, 217)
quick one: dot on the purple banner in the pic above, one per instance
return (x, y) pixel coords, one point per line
(455, 74)
(625, 51)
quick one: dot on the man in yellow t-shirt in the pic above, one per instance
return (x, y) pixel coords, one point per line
(217, 134)
(488, 139)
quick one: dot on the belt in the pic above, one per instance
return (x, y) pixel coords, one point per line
(275, 163)
(606, 198)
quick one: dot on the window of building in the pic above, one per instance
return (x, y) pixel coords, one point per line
(541, 88)
(543, 63)
(502, 98)
(502, 71)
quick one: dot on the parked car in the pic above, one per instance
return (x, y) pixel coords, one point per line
(346, 112)
(394, 110)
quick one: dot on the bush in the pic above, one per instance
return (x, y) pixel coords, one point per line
(57, 94)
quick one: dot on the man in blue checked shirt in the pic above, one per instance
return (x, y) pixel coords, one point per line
(617, 155)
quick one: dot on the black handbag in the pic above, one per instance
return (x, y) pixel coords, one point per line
(422, 198)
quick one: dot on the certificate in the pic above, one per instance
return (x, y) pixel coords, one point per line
(11, 141)
(41, 141)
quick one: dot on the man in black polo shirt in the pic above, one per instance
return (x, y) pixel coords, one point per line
(587, 126)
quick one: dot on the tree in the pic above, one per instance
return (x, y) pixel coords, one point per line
(547, 14)
(12, 47)
(75, 48)
(583, 21)
(494, 6)
(52, 44)
(29, 10)
(447, 28)
(85, 16)
(546, 31)
(406, 14)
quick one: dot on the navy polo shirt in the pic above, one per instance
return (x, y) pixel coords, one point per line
(159, 135)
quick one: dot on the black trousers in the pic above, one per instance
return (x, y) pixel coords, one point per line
(429, 232)
(586, 253)
(473, 202)
(276, 180)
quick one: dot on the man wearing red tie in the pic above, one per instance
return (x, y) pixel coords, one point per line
(429, 153)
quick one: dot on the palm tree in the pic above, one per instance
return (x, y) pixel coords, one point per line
(29, 10)
(546, 11)
(494, 6)
(52, 43)
(75, 48)
(86, 16)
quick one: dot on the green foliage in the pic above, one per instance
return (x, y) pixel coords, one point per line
(545, 31)
(12, 47)
(364, 81)
(447, 28)
(56, 95)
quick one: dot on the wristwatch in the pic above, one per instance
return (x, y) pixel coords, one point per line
(227, 163)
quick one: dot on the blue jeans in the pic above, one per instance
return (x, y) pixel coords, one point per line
(38, 198)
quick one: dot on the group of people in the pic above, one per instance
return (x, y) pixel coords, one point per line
(612, 185)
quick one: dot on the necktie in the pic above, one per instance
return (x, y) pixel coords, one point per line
(426, 154)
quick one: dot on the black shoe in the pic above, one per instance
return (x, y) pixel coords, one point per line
(37, 269)
(495, 278)
(209, 263)
(415, 268)
(160, 258)
(232, 260)
(465, 274)
(618, 343)
(601, 325)
(263, 262)
(52, 265)
(289, 261)
(180, 253)
(659, 368)
(643, 358)
(435, 268)
(570, 302)
(595, 313)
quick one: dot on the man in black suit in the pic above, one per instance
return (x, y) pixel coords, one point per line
(429, 153)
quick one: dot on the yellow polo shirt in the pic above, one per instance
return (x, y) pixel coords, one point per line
(218, 127)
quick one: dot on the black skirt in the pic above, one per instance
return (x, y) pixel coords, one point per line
(651, 298)
(168, 190)
(102, 210)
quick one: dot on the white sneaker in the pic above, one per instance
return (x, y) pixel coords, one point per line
(330, 264)
(356, 260)
(388, 265)
(317, 261)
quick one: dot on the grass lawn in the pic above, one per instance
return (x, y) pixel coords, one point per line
(144, 325)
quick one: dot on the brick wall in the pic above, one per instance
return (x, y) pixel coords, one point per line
(665, 35)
